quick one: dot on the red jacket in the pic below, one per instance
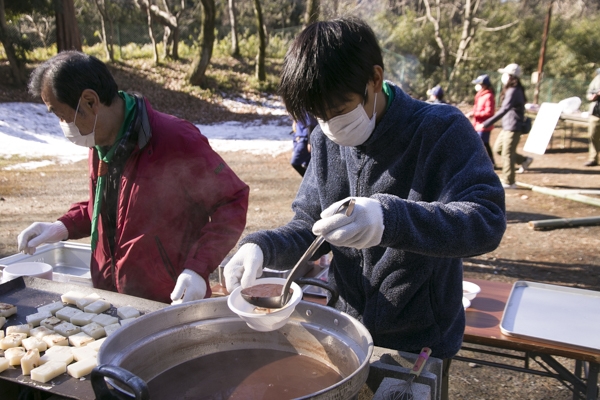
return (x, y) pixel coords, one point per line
(174, 187)
(484, 107)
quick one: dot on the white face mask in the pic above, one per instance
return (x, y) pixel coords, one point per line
(505, 78)
(71, 131)
(477, 87)
(350, 129)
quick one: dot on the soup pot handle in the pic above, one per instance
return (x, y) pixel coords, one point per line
(333, 298)
(133, 382)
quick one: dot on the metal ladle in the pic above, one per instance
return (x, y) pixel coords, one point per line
(283, 298)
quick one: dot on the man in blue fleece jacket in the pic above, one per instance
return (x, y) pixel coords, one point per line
(426, 194)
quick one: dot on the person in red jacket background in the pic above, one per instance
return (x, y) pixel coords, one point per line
(484, 108)
(164, 209)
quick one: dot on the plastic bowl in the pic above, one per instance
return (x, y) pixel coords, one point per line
(470, 290)
(36, 269)
(466, 302)
(259, 320)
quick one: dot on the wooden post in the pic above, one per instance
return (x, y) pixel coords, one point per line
(540, 69)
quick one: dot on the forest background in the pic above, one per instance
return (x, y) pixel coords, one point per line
(425, 42)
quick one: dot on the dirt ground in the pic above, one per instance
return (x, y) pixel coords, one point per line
(566, 256)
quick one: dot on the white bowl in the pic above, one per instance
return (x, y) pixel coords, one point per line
(470, 290)
(466, 303)
(36, 269)
(261, 321)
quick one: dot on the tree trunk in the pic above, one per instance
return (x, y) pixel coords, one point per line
(435, 21)
(262, 44)
(151, 33)
(468, 32)
(166, 19)
(312, 11)
(107, 39)
(17, 65)
(67, 31)
(200, 64)
(235, 47)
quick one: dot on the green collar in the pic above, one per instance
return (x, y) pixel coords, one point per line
(389, 92)
(104, 152)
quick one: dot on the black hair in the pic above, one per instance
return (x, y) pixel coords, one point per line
(69, 73)
(513, 81)
(328, 61)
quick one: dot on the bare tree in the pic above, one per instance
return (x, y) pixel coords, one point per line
(235, 47)
(107, 38)
(17, 64)
(200, 63)
(312, 11)
(67, 31)
(170, 22)
(261, 74)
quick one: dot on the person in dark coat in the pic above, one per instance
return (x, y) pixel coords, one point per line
(301, 152)
(426, 194)
(512, 113)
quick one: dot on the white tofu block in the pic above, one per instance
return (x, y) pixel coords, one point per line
(23, 328)
(40, 332)
(14, 355)
(48, 371)
(82, 368)
(127, 312)
(81, 353)
(32, 342)
(11, 340)
(87, 300)
(80, 339)
(66, 329)
(82, 318)
(105, 319)
(71, 297)
(52, 308)
(94, 330)
(97, 306)
(67, 313)
(55, 340)
(6, 310)
(3, 364)
(30, 360)
(60, 353)
(35, 319)
(110, 329)
(1, 334)
(96, 344)
(126, 321)
(51, 322)
(2, 321)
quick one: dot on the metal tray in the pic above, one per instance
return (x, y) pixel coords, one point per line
(28, 293)
(70, 261)
(551, 313)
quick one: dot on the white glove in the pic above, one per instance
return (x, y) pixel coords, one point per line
(362, 229)
(39, 233)
(190, 286)
(244, 267)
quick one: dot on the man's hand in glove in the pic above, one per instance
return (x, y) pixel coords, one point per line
(39, 233)
(244, 267)
(190, 286)
(362, 229)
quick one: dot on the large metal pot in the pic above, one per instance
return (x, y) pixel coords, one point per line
(154, 343)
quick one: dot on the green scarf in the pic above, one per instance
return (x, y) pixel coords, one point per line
(106, 154)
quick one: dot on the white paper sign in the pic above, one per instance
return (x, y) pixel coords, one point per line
(543, 127)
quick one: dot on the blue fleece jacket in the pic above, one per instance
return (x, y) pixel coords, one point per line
(441, 201)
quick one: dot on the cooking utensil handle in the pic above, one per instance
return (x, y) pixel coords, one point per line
(285, 292)
(322, 284)
(421, 360)
(133, 382)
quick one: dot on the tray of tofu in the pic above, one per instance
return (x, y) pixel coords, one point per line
(50, 332)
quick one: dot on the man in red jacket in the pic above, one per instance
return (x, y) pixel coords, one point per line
(164, 209)
(483, 108)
